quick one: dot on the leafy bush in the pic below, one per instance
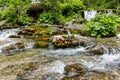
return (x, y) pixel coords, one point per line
(50, 18)
(15, 13)
(102, 26)
(1, 14)
(71, 6)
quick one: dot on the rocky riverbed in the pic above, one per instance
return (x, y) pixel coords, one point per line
(31, 53)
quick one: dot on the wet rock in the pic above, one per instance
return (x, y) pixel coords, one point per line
(14, 36)
(26, 71)
(9, 48)
(100, 76)
(52, 76)
(97, 50)
(44, 38)
(64, 41)
(74, 72)
(56, 30)
(24, 33)
(28, 30)
(41, 44)
(15, 46)
(48, 25)
(19, 45)
(75, 31)
(86, 42)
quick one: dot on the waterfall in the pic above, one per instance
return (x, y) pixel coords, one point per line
(35, 1)
(89, 14)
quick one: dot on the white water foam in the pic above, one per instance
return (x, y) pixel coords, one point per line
(104, 62)
(6, 33)
(89, 14)
(56, 67)
(67, 51)
(118, 36)
(4, 38)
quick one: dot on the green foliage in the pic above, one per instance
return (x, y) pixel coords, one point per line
(2, 14)
(60, 11)
(71, 6)
(49, 31)
(102, 26)
(50, 18)
(15, 13)
(104, 4)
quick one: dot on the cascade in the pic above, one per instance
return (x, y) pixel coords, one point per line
(89, 14)
(35, 1)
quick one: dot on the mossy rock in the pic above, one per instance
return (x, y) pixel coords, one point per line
(41, 44)
(77, 69)
(64, 41)
(25, 33)
(44, 38)
(75, 31)
(74, 72)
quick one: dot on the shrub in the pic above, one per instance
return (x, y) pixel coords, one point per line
(51, 18)
(102, 26)
(15, 13)
(1, 15)
(72, 6)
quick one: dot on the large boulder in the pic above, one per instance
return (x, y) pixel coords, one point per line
(64, 41)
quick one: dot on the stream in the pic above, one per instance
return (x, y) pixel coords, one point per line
(50, 64)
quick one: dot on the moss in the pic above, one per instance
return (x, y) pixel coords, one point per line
(44, 38)
(78, 69)
(41, 44)
(75, 31)
(65, 42)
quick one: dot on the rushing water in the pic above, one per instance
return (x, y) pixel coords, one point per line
(5, 41)
(51, 62)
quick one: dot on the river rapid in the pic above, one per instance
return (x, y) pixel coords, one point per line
(51, 64)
